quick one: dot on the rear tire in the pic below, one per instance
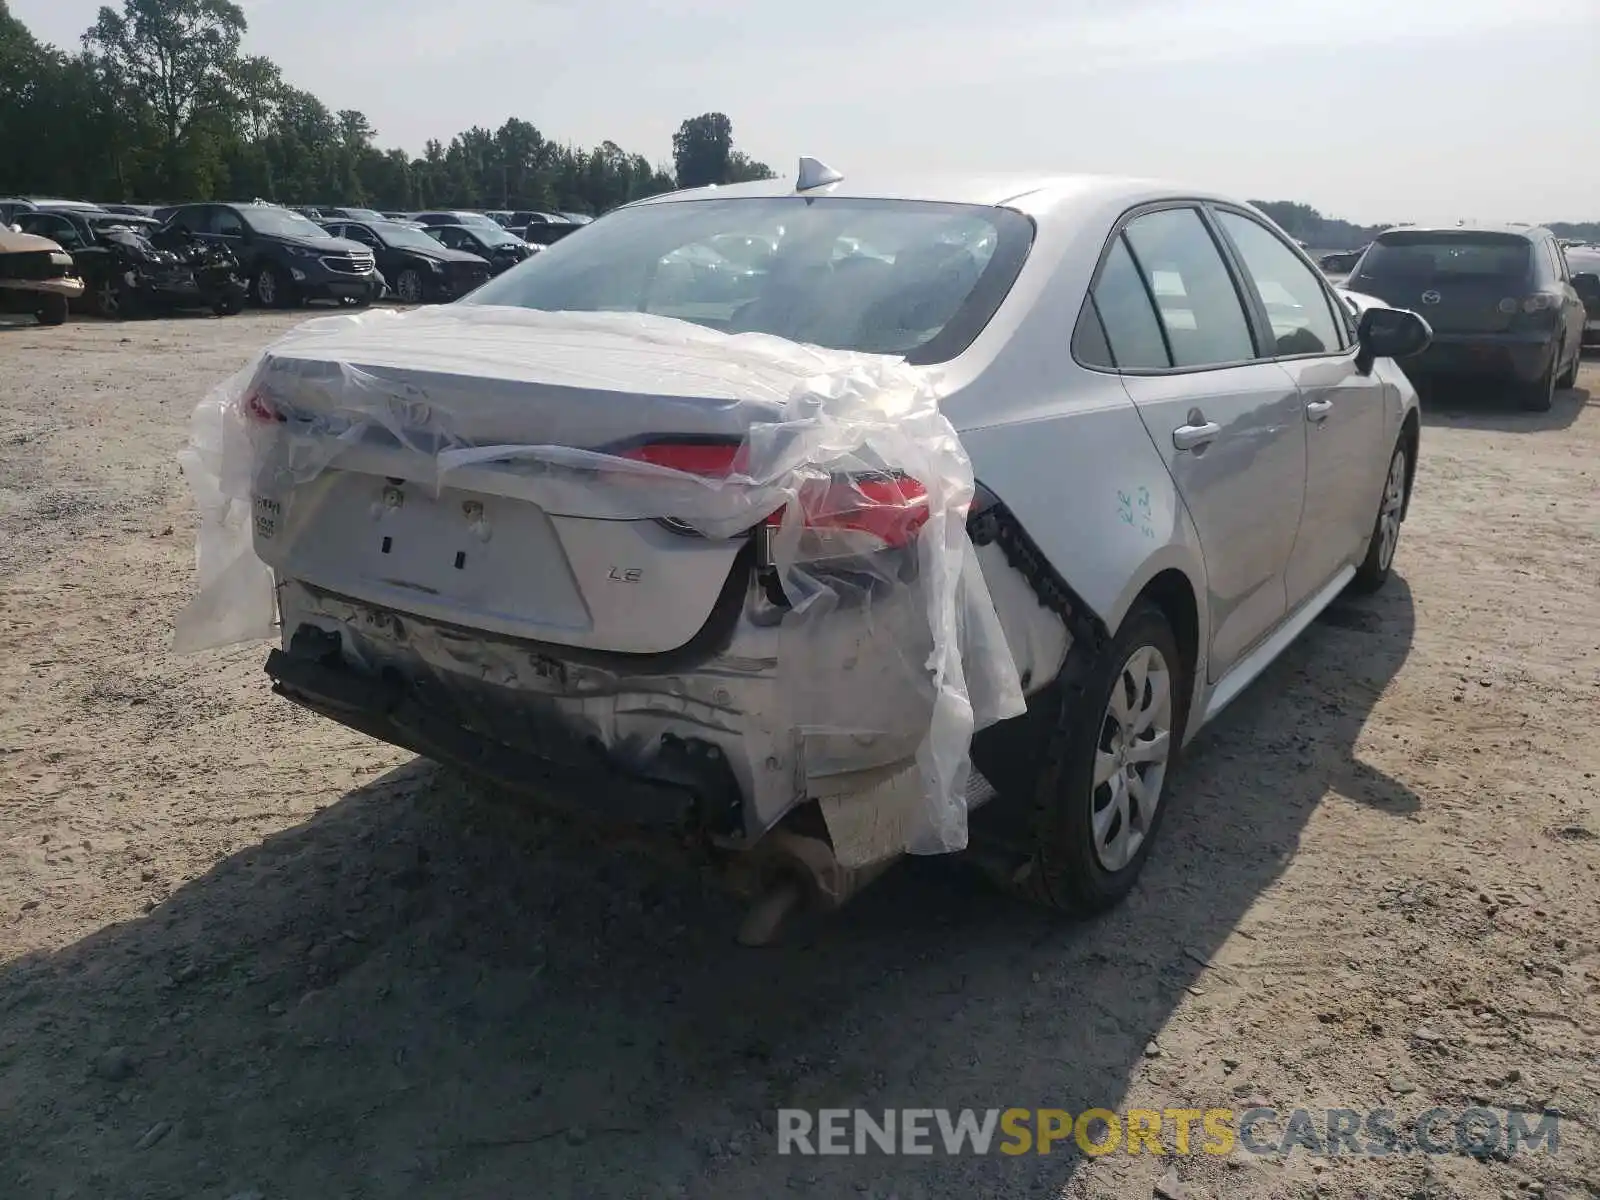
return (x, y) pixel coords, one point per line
(52, 310)
(1569, 377)
(1374, 570)
(1540, 395)
(1098, 802)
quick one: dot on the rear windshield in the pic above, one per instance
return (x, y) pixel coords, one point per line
(1447, 256)
(880, 276)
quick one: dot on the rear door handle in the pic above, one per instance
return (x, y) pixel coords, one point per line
(1193, 437)
(1318, 410)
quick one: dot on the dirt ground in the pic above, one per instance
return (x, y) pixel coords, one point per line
(246, 953)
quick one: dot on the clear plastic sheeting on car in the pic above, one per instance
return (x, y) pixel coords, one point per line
(610, 476)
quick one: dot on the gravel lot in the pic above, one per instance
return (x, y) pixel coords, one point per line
(244, 952)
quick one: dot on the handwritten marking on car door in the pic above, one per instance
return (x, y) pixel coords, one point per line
(1134, 510)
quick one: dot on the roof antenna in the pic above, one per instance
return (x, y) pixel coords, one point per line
(815, 173)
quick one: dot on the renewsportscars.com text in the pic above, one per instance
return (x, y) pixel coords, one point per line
(1472, 1132)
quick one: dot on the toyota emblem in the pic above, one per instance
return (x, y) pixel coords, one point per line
(1431, 297)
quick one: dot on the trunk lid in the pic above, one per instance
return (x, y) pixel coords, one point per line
(399, 470)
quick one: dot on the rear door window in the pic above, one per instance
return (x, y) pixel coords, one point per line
(226, 222)
(1295, 301)
(1194, 293)
(1557, 260)
(1132, 332)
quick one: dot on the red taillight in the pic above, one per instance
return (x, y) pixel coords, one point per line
(260, 409)
(887, 505)
(711, 459)
(890, 507)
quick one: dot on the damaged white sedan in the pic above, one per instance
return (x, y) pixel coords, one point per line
(808, 518)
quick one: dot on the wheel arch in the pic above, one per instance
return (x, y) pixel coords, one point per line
(1411, 439)
(1175, 582)
(1171, 591)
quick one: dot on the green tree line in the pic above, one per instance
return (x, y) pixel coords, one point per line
(1330, 233)
(163, 104)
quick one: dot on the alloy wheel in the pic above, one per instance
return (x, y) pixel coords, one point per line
(107, 299)
(267, 289)
(409, 285)
(1130, 762)
(1394, 500)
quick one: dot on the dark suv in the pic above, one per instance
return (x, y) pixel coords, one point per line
(1584, 263)
(1500, 301)
(419, 268)
(287, 258)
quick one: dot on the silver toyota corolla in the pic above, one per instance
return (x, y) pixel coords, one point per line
(1183, 444)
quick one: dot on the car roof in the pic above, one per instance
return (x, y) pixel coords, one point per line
(1040, 195)
(1527, 231)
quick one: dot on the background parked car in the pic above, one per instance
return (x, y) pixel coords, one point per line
(123, 271)
(350, 214)
(457, 217)
(1584, 263)
(1500, 301)
(542, 228)
(420, 269)
(130, 210)
(36, 276)
(286, 258)
(1341, 262)
(11, 206)
(500, 248)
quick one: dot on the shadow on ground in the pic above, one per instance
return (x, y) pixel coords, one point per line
(1471, 404)
(429, 991)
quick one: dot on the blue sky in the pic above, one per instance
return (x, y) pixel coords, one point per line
(1367, 109)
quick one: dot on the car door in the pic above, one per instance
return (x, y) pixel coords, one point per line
(1227, 423)
(1351, 418)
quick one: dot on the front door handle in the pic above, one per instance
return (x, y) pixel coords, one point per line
(1318, 410)
(1194, 437)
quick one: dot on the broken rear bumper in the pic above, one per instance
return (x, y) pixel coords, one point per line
(313, 674)
(724, 737)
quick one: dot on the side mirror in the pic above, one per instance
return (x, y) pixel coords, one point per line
(1390, 333)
